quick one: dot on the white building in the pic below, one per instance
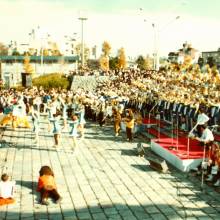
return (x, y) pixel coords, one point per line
(13, 66)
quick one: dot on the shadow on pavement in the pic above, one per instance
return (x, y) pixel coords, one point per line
(118, 211)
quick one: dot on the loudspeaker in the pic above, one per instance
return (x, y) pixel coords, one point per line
(158, 164)
(140, 150)
(26, 79)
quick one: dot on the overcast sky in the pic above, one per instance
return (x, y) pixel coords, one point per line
(120, 22)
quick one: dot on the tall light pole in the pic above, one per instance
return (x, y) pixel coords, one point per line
(156, 42)
(156, 60)
(82, 19)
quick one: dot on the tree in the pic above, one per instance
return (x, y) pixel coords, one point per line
(3, 50)
(27, 66)
(187, 61)
(121, 58)
(148, 63)
(106, 48)
(54, 80)
(113, 63)
(93, 64)
(140, 62)
(104, 62)
(211, 61)
(201, 62)
(104, 59)
(45, 52)
(15, 53)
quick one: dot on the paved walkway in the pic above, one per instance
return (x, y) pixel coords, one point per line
(102, 179)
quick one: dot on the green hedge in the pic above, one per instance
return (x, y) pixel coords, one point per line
(54, 80)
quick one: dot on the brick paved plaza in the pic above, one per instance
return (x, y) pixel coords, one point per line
(102, 179)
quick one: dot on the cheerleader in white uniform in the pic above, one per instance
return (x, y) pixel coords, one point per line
(82, 120)
(56, 129)
(73, 133)
(35, 118)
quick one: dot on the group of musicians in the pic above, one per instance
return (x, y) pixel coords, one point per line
(185, 114)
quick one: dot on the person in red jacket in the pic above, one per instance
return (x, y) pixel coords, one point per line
(47, 186)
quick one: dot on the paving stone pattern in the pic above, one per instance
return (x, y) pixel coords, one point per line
(102, 179)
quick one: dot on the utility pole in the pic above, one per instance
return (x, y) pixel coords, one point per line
(82, 19)
(157, 32)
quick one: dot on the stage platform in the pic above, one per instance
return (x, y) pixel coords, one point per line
(174, 151)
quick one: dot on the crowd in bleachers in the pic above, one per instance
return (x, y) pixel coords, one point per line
(173, 94)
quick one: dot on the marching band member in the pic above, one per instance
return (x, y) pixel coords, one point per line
(117, 120)
(129, 119)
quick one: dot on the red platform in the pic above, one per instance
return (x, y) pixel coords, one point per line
(174, 150)
(156, 133)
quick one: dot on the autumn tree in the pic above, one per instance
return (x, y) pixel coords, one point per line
(106, 48)
(104, 62)
(3, 49)
(45, 52)
(121, 58)
(28, 68)
(104, 59)
(149, 62)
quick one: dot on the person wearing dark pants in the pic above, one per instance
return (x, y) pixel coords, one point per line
(129, 124)
(117, 121)
(49, 192)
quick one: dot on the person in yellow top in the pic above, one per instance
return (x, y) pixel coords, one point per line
(129, 119)
(138, 122)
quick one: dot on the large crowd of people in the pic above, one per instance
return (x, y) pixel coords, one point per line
(172, 94)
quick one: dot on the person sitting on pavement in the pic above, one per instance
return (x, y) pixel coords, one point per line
(7, 188)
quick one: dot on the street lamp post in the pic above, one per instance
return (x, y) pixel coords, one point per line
(42, 58)
(156, 60)
(82, 19)
(156, 42)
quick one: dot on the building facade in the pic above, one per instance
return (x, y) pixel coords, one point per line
(12, 66)
(215, 55)
(187, 51)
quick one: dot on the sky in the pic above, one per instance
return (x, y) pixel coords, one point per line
(123, 23)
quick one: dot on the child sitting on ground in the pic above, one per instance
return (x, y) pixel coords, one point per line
(46, 186)
(7, 188)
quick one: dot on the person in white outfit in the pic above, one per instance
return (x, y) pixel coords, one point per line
(7, 188)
